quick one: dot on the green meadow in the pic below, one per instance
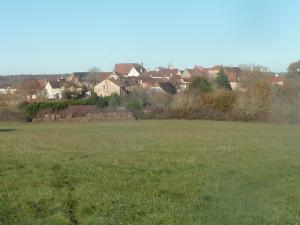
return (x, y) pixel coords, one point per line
(149, 172)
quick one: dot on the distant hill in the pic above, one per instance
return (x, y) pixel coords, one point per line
(14, 81)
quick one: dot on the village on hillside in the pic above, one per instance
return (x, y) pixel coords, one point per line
(124, 78)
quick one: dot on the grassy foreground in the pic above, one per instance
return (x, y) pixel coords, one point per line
(149, 172)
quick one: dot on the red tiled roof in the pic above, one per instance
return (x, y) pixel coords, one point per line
(232, 73)
(125, 68)
(118, 82)
(197, 72)
(42, 83)
(161, 72)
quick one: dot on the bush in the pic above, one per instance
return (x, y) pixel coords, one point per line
(220, 100)
(200, 84)
(286, 101)
(134, 103)
(31, 109)
(114, 101)
(255, 102)
(11, 114)
(159, 101)
(183, 105)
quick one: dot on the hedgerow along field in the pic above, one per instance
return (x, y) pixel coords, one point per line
(149, 172)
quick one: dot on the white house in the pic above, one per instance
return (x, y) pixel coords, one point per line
(7, 91)
(129, 69)
(56, 88)
(53, 90)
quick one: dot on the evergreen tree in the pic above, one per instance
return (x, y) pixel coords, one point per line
(223, 81)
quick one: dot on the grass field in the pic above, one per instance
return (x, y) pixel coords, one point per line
(149, 172)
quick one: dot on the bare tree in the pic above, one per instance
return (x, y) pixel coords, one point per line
(93, 77)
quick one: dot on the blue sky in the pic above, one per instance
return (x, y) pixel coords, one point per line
(58, 36)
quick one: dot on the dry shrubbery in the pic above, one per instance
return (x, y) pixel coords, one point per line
(286, 101)
(260, 101)
(11, 114)
(215, 105)
(254, 103)
(9, 110)
(183, 105)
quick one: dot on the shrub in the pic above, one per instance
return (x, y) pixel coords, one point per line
(286, 101)
(220, 100)
(134, 103)
(183, 105)
(255, 102)
(11, 114)
(159, 101)
(114, 101)
(200, 84)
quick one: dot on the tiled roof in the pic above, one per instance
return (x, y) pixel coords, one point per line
(125, 68)
(42, 83)
(56, 84)
(161, 72)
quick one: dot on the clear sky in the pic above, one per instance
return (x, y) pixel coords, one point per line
(58, 36)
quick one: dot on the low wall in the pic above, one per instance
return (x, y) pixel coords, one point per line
(99, 116)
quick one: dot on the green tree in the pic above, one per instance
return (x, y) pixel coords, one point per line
(200, 84)
(223, 81)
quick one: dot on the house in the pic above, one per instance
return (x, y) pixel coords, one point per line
(195, 72)
(162, 72)
(278, 80)
(180, 83)
(162, 87)
(109, 86)
(7, 91)
(168, 88)
(77, 78)
(233, 80)
(56, 88)
(129, 69)
(148, 82)
(115, 84)
(151, 85)
(233, 74)
(213, 72)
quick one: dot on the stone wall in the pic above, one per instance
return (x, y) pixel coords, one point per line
(97, 116)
